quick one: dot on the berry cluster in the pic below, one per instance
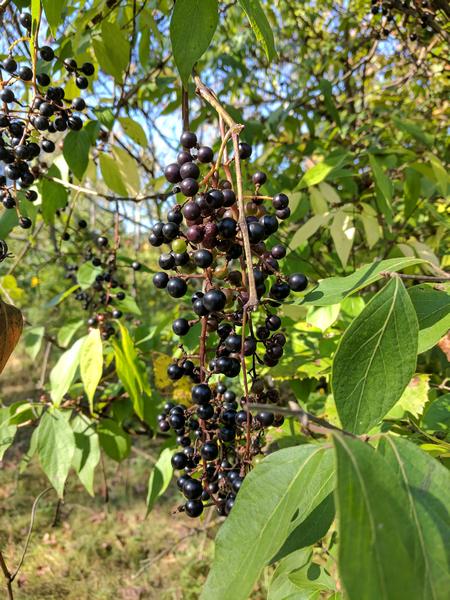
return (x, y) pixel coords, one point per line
(108, 290)
(26, 130)
(418, 15)
(219, 433)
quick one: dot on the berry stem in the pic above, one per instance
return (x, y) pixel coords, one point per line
(235, 129)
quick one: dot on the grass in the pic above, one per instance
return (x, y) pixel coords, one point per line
(98, 551)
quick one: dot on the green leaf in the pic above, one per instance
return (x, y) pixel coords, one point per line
(54, 197)
(260, 25)
(56, 446)
(199, 18)
(321, 171)
(76, 151)
(334, 289)
(307, 230)
(7, 431)
(68, 330)
(375, 359)
(114, 440)
(91, 364)
(433, 312)
(87, 450)
(112, 50)
(427, 486)
(281, 587)
(130, 372)
(377, 542)
(413, 398)
(410, 128)
(111, 175)
(383, 186)
(32, 338)
(53, 11)
(127, 305)
(279, 493)
(437, 415)
(86, 274)
(134, 130)
(323, 316)
(62, 296)
(63, 373)
(160, 477)
(310, 531)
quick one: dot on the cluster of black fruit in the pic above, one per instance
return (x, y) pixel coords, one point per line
(108, 289)
(420, 16)
(26, 130)
(218, 433)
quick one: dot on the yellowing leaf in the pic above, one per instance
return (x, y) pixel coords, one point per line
(91, 364)
(372, 228)
(343, 232)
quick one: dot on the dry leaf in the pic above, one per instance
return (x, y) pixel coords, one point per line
(11, 325)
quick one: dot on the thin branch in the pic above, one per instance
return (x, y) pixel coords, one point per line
(416, 277)
(7, 575)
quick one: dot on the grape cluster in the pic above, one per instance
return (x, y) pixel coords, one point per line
(219, 433)
(27, 130)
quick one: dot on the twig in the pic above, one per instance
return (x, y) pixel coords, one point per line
(416, 277)
(235, 129)
(7, 575)
(30, 531)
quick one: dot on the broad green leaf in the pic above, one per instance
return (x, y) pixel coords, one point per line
(260, 25)
(323, 316)
(319, 204)
(303, 234)
(372, 228)
(378, 544)
(310, 531)
(279, 493)
(63, 373)
(53, 11)
(312, 581)
(114, 440)
(321, 171)
(135, 130)
(375, 359)
(334, 289)
(199, 18)
(76, 151)
(87, 450)
(8, 220)
(56, 446)
(68, 330)
(91, 364)
(433, 313)
(342, 231)
(437, 415)
(86, 274)
(427, 486)
(7, 431)
(128, 305)
(413, 398)
(327, 91)
(160, 477)
(111, 175)
(54, 197)
(112, 50)
(281, 587)
(32, 338)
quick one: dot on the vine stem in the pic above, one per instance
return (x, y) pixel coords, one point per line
(7, 575)
(204, 92)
